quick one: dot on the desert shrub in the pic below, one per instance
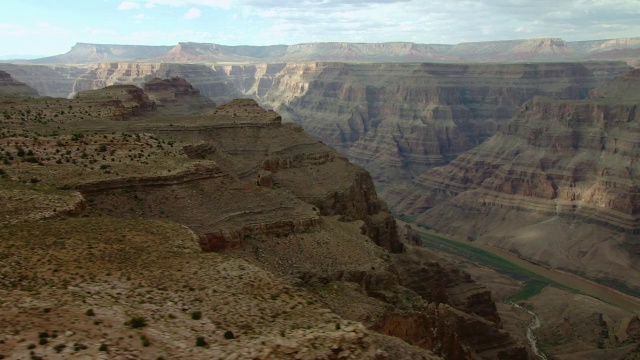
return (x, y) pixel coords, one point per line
(78, 347)
(90, 312)
(196, 315)
(136, 322)
(103, 347)
(200, 341)
(145, 341)
(229, 335)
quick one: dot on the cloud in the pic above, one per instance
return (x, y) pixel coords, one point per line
(139, 16)
(128, 5)
(441, 21)
(192, 13)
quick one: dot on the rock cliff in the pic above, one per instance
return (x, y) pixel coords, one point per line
(556, 184)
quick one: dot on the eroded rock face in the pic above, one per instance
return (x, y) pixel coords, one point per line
(562, 170)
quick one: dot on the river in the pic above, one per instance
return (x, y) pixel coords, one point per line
(583, 285)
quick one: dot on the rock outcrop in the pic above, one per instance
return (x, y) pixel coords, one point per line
(556, 184)
(177, 95)
(124, 100)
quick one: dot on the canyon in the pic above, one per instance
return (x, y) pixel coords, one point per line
(556, 184)
(519, 145)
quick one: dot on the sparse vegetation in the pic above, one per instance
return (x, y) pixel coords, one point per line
(145, 341)
(136, 322)
(200, 341)
(58, 348)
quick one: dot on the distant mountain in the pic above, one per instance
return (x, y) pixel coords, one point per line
(527, 50)
(92, 53)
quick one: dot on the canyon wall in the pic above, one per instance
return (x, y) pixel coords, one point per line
(557, 184)
(400, 119)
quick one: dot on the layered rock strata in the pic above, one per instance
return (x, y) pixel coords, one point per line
(400, 119)
(397, 120)
(556, 184)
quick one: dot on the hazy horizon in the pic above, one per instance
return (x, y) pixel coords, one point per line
(33, 27)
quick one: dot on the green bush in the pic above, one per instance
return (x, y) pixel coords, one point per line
(145, 341)
(196, 315)
(200, 341)
(136, 322)
(58, 348)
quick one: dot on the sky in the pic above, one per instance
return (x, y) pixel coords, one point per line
(50, 27)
